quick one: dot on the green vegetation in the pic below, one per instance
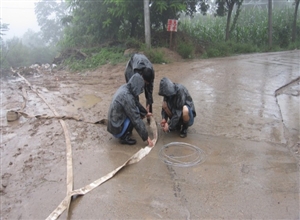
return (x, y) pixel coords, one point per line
(111, 55)
(156, 56)
(186, 50)
(249, 35)
(204, 36)
(18, 52)
(108, 55)
(88, 34)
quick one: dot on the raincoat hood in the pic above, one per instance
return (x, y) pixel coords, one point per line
(140, 64)
(140, 61)
(136, 84)
(166, 87)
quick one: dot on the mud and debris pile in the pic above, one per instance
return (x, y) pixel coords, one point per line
(74, 53)
(33, 70)
(38, 69)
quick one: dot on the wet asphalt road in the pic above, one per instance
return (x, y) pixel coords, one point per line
(247, 128)
(245, 142)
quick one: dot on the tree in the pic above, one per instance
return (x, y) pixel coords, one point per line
(49, 15)
(3, 53)
(89, 23)
(30, 49)
(103, 20)
(3, 28)
(130, 20)
(294, 26)
(39, 50)
(225, 7)
(16, 53)
(162, 10)
(33, 39)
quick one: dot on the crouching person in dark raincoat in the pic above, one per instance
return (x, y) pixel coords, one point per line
(139, 63)
(177, 106)
(125, 112)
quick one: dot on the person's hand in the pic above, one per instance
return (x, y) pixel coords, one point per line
(166, 127)
(163, 122)
(150, 142)
(148, 108)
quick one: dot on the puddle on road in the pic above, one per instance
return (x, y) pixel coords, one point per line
(87, 101)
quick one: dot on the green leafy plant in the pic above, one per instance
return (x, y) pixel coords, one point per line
(112, 55)
(155, 56)
(250, 33)
(185, 50)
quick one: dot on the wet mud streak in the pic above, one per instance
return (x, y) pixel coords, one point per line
(177, 190)
(279, 90)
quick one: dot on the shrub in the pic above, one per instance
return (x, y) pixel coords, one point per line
(112, 55)
(133, 43)
(213, 52)
(185, 50)
(239, 48)
(294, 45)
(155, 56)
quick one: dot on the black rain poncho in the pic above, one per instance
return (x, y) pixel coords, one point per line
(125, 104)
(135, 65)
(176, 96)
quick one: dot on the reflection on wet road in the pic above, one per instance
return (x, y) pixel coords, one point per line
(235, 97)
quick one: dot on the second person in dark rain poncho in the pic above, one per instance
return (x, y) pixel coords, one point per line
(139, 63)
(125, 112)
(178, 110)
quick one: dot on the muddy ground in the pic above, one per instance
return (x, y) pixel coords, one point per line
(246, 133)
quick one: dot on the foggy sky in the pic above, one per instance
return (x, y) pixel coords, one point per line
(20, 17)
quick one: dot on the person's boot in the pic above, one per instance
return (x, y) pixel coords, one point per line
(129, 129)
(183, 131)
(125, 139)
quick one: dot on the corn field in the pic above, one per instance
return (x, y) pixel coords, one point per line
(251, 27)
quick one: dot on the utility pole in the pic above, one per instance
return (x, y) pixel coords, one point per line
(270, 26)
(147, 24)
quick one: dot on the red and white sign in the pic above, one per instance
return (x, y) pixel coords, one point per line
(172, 25)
